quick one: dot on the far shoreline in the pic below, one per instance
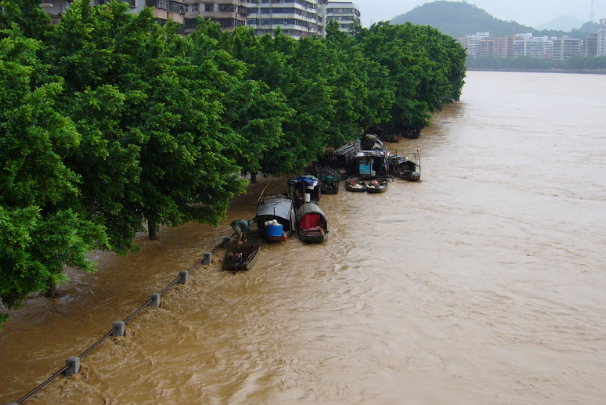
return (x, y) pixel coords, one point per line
(585, 72)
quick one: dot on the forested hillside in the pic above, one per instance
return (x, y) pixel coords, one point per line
(460, 18)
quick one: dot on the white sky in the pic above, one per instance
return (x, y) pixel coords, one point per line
(528, 12)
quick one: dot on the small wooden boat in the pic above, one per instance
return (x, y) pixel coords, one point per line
(355, 186)
(275, 218)
(404, 168)
(311, 224)
(330, 181)
(377, 186)
(241, 258)
(304, 189)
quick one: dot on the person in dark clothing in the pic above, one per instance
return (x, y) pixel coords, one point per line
(241, 228)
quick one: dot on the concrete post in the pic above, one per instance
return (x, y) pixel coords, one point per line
(119, 328)
(155, 297)
(74, 365)
(183, 276)
(208, 258)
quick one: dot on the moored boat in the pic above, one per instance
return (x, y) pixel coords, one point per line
(241, 258)
(404, 168)
(330, 180)
(275, 218)
(304, 189)
(355, 186)
(312, 225)
(377, 186)
(370, 163)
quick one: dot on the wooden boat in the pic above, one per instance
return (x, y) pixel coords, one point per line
(275, 218)
(311, 224)
(341, 159)
(377, 186)
(402, 167)
(241, 258)
(304, 189)
(355, 186)
(330, 180)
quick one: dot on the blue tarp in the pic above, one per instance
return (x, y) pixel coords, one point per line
(310, 180)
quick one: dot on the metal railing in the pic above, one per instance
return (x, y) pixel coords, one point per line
(108, 334)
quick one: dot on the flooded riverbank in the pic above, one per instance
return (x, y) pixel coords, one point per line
(481, 284)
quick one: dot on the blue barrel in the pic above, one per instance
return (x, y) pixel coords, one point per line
(274, 230)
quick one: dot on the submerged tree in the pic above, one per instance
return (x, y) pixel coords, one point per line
(40, 233)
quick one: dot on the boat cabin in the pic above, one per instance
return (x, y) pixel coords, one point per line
(311, 224)
(341, 159)
(276, 218)
(304, 189)
(370, 163)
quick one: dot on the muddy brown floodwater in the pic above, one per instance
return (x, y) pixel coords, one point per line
(483, 284)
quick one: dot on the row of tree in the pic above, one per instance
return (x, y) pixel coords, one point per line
(576, 63)
(110, 121)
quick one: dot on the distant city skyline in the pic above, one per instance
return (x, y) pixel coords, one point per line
(527, 12)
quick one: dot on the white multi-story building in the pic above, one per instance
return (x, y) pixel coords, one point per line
(229, 14)
(471, 43)
(162, 9)
(602, 38)
(535, 47)
(296, 18)
(346, 13)
(565, 48)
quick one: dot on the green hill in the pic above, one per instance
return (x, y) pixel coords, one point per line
(460, 18)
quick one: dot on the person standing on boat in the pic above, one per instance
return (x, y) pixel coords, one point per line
(241, 228)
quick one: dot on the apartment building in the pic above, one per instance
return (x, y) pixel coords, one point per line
(503, 47)
(601, 43)
(346, 13)
(565, 48)
(163, 10)
(535, 47)
(229, 14)
(486, 47)
(471, 43)
(296, 18)
(590, 45)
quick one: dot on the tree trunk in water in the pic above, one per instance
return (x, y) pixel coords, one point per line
(151, 230)
(52, 290)
(253, 178)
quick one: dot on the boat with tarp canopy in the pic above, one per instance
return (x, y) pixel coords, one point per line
(312, 225)
(404, 168)
(304, 189)
(275, 218)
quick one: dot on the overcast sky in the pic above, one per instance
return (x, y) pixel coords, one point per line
(528, 12)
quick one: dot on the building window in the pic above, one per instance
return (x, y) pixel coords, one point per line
(194, 7)
(163, 4)
(227, 7)
(209, 7)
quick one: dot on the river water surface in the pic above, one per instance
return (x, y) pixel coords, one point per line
(485, 283)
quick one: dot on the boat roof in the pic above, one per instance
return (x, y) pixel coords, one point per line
(311, 181)
(345, 149)
(398, 159)
(276, 206)
(371, 153)
(309, 208)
